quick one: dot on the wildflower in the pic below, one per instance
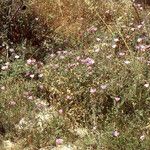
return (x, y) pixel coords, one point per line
(7, 63)
(127, 62)
(95, 127)
(114, 46)
(59, 141)
(116, 39)
(104, 86)
(116, 133)
(92, 90)
(32, 76)
(17, 56)
(139, 40)
(78, 58)
(7, 47)
(29, 61)
(132, 29)
(36, 19)
(142, 137)
(89, 61)
(30, 97)
(121, 54)
(41, 87)
(11, 50)
(69, 97)
(146, 85)
(60, 111)
(40, 75)
(139, 26)
(117, 99)
(52, 55)
(142, 47)
(3, 88)
(4, 67)
(98, 39)
(97, 50)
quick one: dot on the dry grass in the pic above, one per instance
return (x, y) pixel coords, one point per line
(72, 18)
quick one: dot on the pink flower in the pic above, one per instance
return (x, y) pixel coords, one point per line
(30, 97)
(78, 58)
(92, 90)
(31, 61)
(89, 61)
(60, 111)
(59, 141)
(116, 133)
(117, 99)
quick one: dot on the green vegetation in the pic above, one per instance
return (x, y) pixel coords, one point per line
(74, 75)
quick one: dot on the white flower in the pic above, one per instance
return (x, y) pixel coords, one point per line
(117, 99)
(7, 63)
(132, 29)
(30, 97)
(3, 88)
(104, 86)
(142, 137)
(4, 67)
(40, 75)
(17, 56)
(32, 76)
(116, 39)
(97, 50)
(11, 50)
(121, 54)
(127, 62)
(98, 39)
(114, 46)
(146, 85)
(139, 26)
(139, 40)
